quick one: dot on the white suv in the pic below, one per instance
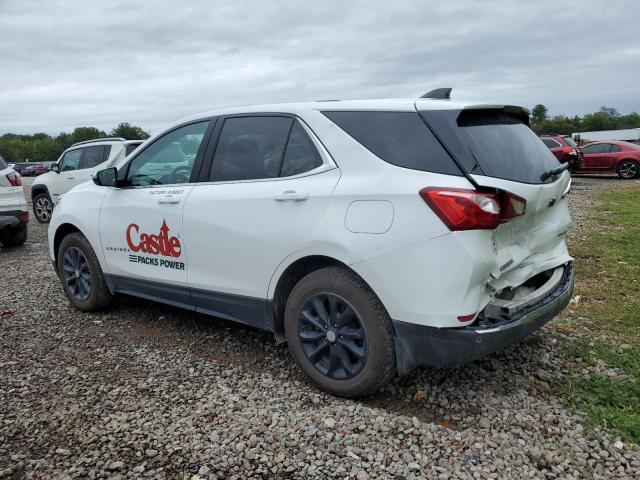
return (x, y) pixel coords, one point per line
(76, 165)
(373, 236)
(14, 214)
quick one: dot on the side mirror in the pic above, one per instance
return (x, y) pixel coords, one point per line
(55, 167)
(107, 177)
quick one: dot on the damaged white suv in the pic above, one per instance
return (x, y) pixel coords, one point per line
(373, 236)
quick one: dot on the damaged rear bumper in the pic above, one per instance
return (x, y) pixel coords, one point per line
(501, 323)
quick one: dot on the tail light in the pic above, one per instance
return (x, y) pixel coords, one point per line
(462, 209)
(569, 150)
(24, 217)
(14, 179)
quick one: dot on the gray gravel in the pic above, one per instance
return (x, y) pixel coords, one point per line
(148, 391)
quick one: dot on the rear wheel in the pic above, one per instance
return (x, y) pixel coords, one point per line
(42, 207)
(81, 275)
(12, 237)
(340, 333)
(628, 169)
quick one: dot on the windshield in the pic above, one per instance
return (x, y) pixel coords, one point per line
(493, 143)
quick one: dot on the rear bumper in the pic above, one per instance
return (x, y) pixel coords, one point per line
(418, 345)
(13, 218)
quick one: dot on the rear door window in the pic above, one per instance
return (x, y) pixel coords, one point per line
(93, 156)
(250, 148)
(301, 154)
(399, 138)
(493, 143)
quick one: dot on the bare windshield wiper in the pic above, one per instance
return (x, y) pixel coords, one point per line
(554, 171)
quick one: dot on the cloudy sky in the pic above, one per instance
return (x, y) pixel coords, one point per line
(66, 64)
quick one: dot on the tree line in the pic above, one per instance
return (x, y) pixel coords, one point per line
(41, 147)
(607, 118)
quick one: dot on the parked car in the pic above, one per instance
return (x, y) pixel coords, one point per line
(564, 148)
(76, 165)
(24, 168)
(14, 213)
(622, 158)
(346, 228)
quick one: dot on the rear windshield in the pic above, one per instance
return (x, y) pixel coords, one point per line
(3, 164)
(493, 143)
(399, 138)
(570, 142)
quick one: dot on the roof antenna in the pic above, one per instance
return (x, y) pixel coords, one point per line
(439, 94)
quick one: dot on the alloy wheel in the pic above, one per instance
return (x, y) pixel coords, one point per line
(332, 336)
(43, 209)
(77, 275)
(628, 169)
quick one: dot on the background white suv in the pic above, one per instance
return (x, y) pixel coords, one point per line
(76, 165)
(373, 236)
(14, 214)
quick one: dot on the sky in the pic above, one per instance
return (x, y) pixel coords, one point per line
(65, 64)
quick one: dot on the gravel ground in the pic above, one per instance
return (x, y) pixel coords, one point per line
(145, 390)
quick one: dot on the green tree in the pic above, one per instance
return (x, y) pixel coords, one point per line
(129, 132)
(539, 113)
(80, 134)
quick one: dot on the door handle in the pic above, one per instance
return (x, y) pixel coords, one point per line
(292, 196)
(168, 200)
(70, 178)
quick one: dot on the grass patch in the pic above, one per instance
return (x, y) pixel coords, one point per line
(608, 315)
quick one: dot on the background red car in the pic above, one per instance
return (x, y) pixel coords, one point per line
(564, 148)
(622, 158)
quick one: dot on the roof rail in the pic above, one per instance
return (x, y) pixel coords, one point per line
(107, 139)
(439, 94)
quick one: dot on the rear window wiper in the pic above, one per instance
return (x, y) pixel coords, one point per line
(553, 172)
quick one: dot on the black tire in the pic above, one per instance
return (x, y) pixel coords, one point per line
(628, 169)
(342, 286)
(97, 295)
(12, 237)
(42, 207)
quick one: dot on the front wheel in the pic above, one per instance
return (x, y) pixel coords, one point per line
(340, 333)
(628, 169)
(81, 275)
(42, 208)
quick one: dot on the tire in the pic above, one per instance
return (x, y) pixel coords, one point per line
(12, 237)
(42, 207)
(80, 273)
(628, 169)
(340, 288)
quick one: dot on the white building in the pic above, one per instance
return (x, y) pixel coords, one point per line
(627, 134)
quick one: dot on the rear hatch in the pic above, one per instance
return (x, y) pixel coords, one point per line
(496, 148)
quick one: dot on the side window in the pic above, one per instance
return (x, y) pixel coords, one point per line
(398, 138)
(130, 148)
(301, 154)
(92, 156)
(71, 160)
(250, 148)
(106, 151)
(168, 160)
(550, 143)
(597, 148)
(614, 148)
